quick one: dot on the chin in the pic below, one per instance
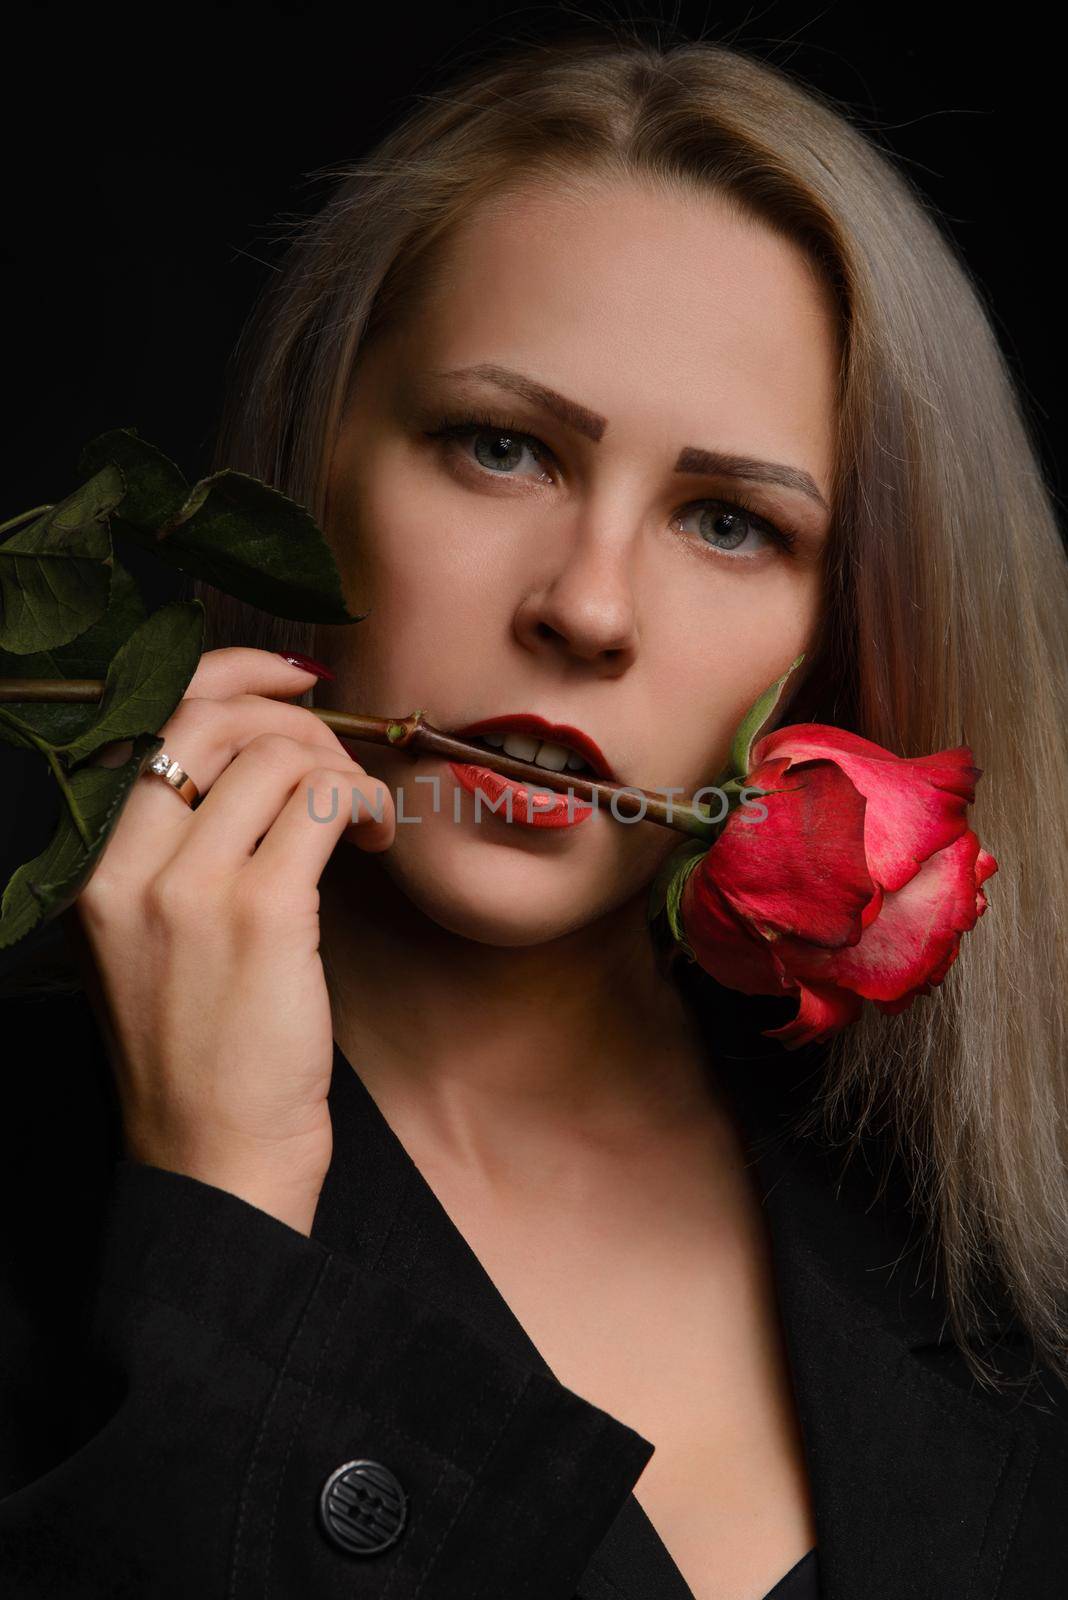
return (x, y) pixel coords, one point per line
(509, 908)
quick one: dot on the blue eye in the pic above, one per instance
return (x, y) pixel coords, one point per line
(498, 446)
(724, 525)
(502, 450)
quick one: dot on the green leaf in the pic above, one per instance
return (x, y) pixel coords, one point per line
(155, 486)
(40, 889)
(87, 656)
(146, 679)
(14, 729)
(666, 888)
(752, 724)
(55, 575)
(230, 530)
(674, 897)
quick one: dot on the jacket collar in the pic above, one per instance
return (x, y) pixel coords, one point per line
(916, 1475)
(378, 1209)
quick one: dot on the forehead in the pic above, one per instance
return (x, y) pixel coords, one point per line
(669, 311)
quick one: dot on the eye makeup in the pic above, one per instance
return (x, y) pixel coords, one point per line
(456, 427)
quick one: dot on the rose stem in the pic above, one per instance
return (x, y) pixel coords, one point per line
(420, 737)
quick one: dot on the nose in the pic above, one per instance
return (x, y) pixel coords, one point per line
(587, 610)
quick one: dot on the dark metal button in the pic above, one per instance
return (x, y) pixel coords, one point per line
(363, 1507)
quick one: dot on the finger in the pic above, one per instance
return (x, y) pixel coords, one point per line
(246, 798)
(298, 844)
(221, 674)
(204, 736)
(239, 669)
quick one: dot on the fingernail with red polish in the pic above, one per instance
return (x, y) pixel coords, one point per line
(309, 665)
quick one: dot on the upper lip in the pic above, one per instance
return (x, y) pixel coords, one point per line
(551, 732)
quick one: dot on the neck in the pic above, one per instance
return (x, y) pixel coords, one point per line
(577, 1039)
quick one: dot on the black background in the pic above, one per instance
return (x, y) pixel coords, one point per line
(148, 157)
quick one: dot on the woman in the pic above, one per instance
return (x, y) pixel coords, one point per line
(459, 1244)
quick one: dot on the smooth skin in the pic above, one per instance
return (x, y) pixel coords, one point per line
(203, 930)
(494, 984)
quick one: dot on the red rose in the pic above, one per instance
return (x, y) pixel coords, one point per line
(857, 885)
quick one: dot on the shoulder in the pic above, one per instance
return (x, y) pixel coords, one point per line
(845, 1208)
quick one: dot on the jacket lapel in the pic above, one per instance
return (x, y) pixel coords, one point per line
(378, 1209)
(916, 1481)
(917, 1475)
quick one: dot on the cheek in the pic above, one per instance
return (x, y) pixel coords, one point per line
(728, 646)
(432, 558)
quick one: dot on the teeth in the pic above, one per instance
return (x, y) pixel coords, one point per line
(520, 745)
(524, 747)
(553, 757)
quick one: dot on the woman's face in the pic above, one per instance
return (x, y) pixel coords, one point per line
(598, 566)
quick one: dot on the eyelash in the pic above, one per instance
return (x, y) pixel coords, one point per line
(463, 426)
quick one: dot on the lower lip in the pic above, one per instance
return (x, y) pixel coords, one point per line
(531, 811)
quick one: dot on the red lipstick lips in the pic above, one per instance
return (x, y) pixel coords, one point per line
(538, 728)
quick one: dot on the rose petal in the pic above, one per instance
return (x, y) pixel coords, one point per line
(985, 867)
(913, 941)
(801, 870)
(732, 953)
(915, 806)
(823, 1009)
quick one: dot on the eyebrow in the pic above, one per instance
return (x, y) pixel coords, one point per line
(591, 425)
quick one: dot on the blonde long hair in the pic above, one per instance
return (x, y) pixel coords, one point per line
(947, 583)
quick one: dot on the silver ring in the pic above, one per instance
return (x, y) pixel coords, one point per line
(164, 766)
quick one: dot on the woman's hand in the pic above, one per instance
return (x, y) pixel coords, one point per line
(202, 933)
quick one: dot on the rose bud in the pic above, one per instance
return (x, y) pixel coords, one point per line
(857, 885)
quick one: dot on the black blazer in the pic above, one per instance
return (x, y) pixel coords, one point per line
(184, 1376)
